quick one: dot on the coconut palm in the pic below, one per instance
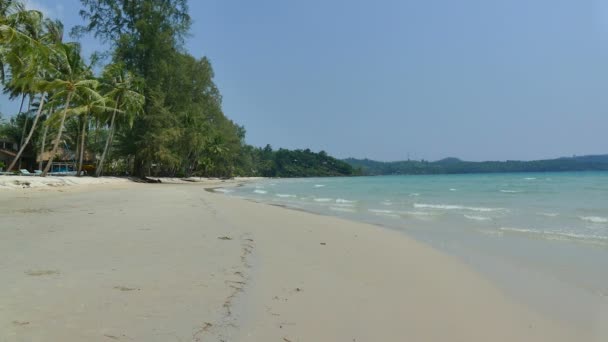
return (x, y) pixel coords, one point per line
(123, 90)
(73, 79)
(91, 103)
(27, 57)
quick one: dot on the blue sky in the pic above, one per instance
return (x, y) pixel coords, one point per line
(475, 79)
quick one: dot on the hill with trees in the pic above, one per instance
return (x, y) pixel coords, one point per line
(455, 166)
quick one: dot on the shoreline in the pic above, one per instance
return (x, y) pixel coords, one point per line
(51, 182)
(278, 274)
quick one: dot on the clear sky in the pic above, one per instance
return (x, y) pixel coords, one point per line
(384, 79)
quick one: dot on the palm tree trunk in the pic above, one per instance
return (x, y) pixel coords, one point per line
(29, 105)
(46, 130)
(44, 136)
(29, 136)
(22, 101)
(58, 138)
(83, 136)
(99, 169)
(96, 141)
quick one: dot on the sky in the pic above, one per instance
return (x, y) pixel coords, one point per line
(392, 79)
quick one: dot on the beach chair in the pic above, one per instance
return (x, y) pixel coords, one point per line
(25, 172)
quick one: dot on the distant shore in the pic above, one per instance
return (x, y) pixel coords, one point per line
(159, 262)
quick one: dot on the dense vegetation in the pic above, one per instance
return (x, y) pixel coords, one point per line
(454, 166)
(299, 163)
(152, 109)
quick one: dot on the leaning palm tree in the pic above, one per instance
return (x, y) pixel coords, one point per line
(73, 79)
(91, 103)
(27, 37)
(124, 92)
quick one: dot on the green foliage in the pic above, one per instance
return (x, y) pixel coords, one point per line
(457, 166)
(297, 163)
(154, 110)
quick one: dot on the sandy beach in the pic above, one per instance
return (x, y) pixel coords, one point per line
(122, 261)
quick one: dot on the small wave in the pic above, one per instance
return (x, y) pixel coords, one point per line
(548, 214)
(261, 192)
(344, 205)
(388, 213)
(491, 232)
(322, 199)
(594, 219)
(478, 218)
(511, 191)
(530, 178)
(452, 189)
(286, 195)
(419, 215)
(380, 211)
(560, 236)
(414, 194)
(387, 203)
(341, 200)
(454, 207)
(319, 185)
(223, 190)
(519, 230)
(345, 210)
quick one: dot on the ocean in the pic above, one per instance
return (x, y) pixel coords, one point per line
(542, 237)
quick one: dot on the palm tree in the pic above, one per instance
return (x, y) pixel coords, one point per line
(72, 79)
(89, 103)
(26, 53)
(123, 91)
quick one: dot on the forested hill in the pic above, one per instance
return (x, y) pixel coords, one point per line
(455, 165)
(293, 163)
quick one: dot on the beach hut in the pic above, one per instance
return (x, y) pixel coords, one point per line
(8, 151)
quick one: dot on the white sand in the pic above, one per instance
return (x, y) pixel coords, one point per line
(159, 262)
(21, 182)
(24, 182)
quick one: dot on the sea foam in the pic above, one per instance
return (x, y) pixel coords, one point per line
(341, 209)
(478, 218)
(594, 219)
(549, 214)
(223, 190)
(380, 211)
(454, 207)
(259, 191)
(558, 235)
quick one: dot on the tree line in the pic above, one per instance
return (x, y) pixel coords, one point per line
(145, 107)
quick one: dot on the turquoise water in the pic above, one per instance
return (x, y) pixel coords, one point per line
(541, 236)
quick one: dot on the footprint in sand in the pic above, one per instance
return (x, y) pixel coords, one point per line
(20, 323)
(33, 211)
(38, 273)
(126, 289)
